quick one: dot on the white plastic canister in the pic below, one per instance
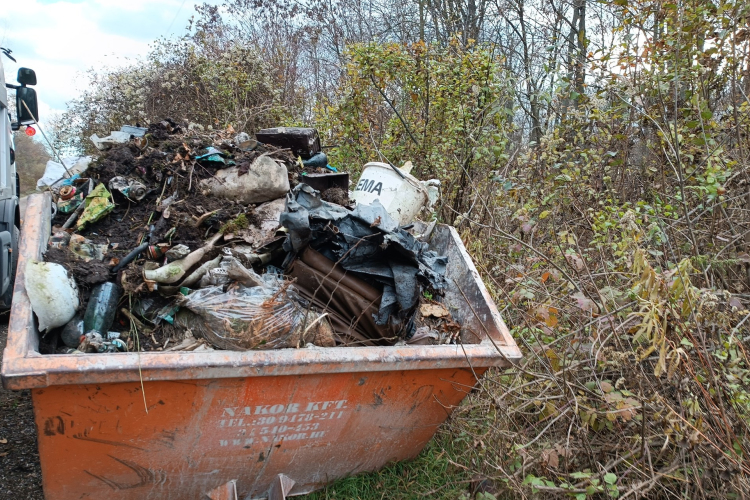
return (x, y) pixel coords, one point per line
(403, 196)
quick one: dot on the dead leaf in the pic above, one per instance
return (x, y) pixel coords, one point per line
(563, 451)
(435, 310)
(575, 261)
(551, 319)
(585, 303)
(554, 359)
(551, 458)
(545, 277)
(547, 315)
(3, 441)
(3, 454)
(744, 257)
(550, 410)
(736, 302)
(606, 387)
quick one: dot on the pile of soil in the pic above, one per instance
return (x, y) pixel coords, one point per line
(336, 195)
(163, 204)
(165, 161)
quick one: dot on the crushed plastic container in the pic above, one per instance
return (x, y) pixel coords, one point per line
(313, 415)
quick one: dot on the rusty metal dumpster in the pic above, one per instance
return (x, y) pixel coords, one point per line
(314, 415)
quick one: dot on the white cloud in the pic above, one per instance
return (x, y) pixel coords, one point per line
(60, 40)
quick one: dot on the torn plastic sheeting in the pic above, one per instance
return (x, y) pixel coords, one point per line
(117, 136)
(98, 204)
(262, 317)
(134, 131)
(305, 203)
(55, 173)
(158, 309)
(215, 155)
(366, 241)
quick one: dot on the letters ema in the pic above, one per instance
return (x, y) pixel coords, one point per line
(369, 186)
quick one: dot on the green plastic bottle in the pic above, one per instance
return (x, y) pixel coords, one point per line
(100, 313)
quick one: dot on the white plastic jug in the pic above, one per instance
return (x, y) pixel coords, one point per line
(402, 195)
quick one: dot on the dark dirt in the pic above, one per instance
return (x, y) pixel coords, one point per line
(336, 195)
(85, 273)
(20, 472)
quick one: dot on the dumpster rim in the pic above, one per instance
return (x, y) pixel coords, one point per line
(25, 368)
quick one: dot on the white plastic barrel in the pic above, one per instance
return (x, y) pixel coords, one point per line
(403, 196)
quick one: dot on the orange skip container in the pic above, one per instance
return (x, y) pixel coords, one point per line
(251, 424)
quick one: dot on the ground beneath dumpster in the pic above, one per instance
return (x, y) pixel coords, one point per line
(20, 472)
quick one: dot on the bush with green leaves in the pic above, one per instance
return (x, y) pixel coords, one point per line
(444, 108)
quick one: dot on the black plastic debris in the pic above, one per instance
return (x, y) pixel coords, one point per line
(370, 244)
(303, 142)
(322, 182)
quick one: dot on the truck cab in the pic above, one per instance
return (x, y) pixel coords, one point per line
(26, 111)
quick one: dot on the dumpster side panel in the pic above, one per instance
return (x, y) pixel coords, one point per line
(97, 441)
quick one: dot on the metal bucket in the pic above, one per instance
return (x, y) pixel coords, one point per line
(313, 415)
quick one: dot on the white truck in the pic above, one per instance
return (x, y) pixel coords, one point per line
(10, 216)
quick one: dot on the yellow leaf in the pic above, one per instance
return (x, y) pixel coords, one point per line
(550, 410)
(554, 359)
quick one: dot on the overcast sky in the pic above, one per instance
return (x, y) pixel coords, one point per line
(61, 39)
